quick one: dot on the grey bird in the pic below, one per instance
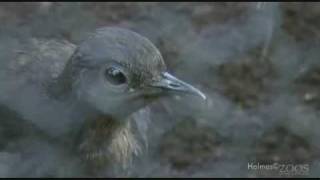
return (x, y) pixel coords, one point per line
(85, 100)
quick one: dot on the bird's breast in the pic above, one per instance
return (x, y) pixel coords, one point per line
(106, 140)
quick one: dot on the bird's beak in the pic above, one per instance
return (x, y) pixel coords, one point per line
(171, 83)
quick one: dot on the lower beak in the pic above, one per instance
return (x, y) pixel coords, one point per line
(171, 83)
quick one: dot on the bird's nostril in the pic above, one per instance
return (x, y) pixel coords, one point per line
(173, 85)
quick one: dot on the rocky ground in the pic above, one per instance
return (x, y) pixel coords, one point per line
(257, 62)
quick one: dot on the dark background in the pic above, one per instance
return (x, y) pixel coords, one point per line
(258, 63)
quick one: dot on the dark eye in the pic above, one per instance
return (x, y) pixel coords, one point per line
(115, 76)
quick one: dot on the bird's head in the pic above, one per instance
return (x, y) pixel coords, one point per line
(117, 71)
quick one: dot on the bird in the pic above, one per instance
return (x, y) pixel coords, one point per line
(86, 99)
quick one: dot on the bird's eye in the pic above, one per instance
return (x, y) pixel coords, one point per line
(115, 76)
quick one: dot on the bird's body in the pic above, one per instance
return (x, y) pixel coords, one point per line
(35, 67)
(25, 76)
(89, 100)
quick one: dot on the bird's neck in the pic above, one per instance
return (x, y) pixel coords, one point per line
(99, 138)
(105, 141)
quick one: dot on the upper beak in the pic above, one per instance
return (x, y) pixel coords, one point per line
(169, 82)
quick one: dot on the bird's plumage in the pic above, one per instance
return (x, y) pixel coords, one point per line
(27, 78)
(90, 99)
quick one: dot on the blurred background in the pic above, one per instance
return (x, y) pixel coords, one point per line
(257, 62)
